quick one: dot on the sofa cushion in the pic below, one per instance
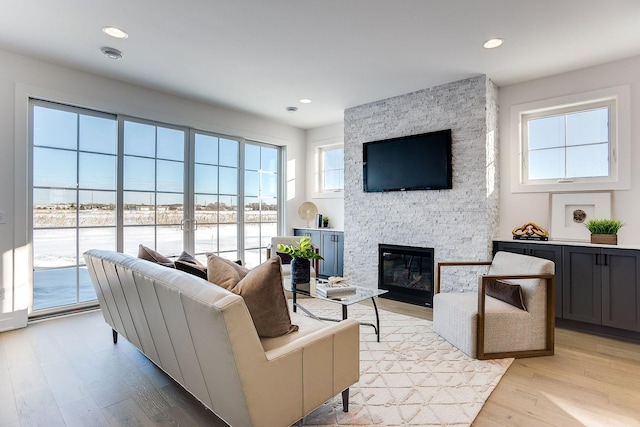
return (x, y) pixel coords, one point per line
(189, 264)
(507, 292)
(149, 254)
(264, 297)
(223, 272)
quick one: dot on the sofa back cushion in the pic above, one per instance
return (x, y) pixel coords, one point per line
(223, 272)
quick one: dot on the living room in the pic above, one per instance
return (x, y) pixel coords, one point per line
(462, 222)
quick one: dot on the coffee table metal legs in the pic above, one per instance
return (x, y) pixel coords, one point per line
(375, 327)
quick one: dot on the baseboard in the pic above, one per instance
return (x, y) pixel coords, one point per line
(605, 331)
(14, 320)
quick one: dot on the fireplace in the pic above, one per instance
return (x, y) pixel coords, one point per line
(407, 273)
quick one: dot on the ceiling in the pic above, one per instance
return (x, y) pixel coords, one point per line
(261, 56)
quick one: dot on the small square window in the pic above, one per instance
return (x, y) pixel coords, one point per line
(569, 144)
(330, 169)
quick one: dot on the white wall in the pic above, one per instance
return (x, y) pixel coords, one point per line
(519, 208)
(22, 77)
(329, 204)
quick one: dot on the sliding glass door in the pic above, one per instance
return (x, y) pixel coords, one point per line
(153, 187)
(216, 165)
(73, 200)
(109, 182)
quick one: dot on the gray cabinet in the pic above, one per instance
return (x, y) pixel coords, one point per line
(332, 251)
(331, 246)
(314, 234)
(598, 285)
(582, 292)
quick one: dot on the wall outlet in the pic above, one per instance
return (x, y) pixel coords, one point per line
(3, 217)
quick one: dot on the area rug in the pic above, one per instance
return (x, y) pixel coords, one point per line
(412, 377)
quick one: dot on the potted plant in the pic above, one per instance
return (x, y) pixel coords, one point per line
(325, 221)
(301, 253)
(604, 231)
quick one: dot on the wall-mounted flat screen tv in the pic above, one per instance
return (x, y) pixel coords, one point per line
(416, 162)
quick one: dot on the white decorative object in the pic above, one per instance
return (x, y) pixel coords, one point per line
(566, 224)
(307, 211)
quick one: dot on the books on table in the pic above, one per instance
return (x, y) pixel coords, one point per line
(335, 287)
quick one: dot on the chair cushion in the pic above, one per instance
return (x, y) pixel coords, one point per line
(264, 297)
(507, 292)
(455, 318)
(223, 272)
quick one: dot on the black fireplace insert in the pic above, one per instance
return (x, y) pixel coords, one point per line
(407, 273)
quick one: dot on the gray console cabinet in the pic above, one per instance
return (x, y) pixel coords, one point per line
(331, 246)
(598, 285)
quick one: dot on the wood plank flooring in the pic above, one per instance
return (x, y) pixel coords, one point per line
(67, 372)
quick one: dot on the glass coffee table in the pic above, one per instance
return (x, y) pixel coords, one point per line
(361, 294)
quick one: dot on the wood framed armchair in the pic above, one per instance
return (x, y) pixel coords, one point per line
(486, 327)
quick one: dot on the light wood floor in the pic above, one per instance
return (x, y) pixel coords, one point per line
(590, 381)
(68, 372)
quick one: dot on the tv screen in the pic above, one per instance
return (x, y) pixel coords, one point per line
(417, 162)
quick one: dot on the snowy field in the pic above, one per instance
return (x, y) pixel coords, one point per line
(56, 250)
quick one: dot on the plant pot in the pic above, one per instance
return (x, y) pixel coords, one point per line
(300, 272)
(605, 239)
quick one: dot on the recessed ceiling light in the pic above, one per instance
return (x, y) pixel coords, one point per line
(111, 53)
(305, 101)
(493, 43)
(292, 109)
(115, 32)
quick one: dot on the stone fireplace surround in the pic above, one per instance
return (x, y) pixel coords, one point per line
(458, 223)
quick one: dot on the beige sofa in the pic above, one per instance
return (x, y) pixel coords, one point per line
(203, 337)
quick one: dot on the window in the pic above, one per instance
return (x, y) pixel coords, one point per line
(73, 200)
(569, 143)
(260, 201)
(578, 142)
(103, 181)
(331, 169)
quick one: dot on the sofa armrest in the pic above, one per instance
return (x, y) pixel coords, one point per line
(312, 369)
(308, 339)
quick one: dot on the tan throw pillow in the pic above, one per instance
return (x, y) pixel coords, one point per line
(149, 254)
(223, 272)
(507, 292)
(264, 296)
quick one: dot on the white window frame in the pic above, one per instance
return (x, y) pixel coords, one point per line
(320, 170)
(618, 101)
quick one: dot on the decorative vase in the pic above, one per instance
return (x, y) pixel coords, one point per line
(605, 239)
(300, 272)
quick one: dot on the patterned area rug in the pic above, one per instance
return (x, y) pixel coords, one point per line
(412, 377)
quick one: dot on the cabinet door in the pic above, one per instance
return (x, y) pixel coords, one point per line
(314, 234)
(552, 253)
(582, 284)
(620, 288)
(513, 247)
(332, 252)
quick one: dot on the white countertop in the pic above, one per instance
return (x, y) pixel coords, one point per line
(317, 229)
(568, 243)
